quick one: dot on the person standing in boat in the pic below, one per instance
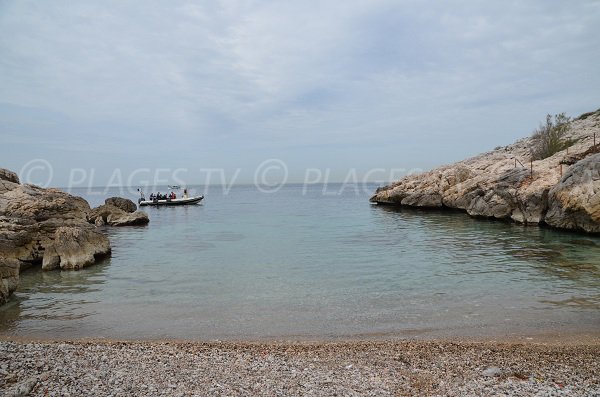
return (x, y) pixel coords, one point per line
(185, 195)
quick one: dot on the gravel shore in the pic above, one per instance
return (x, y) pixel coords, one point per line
(369, 368)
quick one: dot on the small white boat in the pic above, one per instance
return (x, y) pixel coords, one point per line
(176, 201)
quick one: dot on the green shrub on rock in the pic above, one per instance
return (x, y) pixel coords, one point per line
(549, 138)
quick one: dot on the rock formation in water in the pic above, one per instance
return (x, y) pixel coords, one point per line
(51, 228)
(74, 248)
(117, 211)
(574, 203)
(122, 203)
(504, 184)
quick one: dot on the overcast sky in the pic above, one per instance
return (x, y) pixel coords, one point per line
(317, 84)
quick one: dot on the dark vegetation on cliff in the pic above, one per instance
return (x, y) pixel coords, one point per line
(549, 138)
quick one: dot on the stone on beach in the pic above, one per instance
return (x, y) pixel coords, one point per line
(492, 371)
(360, 368)
(23, 388)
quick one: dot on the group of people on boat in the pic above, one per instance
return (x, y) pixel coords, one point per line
(158, 196)
(167, 199)
(170, 196)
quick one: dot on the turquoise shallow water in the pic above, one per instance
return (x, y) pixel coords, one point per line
(314, 263)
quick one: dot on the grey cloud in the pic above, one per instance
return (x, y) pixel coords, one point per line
(221, 77)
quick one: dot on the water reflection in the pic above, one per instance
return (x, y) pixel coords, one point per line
(553, 254)
(54, 295)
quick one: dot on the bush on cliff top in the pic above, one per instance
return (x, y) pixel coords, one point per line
(549, 138)
(588, 114)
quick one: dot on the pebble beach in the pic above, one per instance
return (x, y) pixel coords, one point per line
(349, 368)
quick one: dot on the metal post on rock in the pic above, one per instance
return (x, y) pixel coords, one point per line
(531, 165)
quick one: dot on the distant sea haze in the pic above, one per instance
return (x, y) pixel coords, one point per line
(297, 263)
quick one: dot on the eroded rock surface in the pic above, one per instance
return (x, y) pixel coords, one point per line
(9, 277)
(505, 184)
(29, 219)
(75, 248)
(574, 203)
(44, 211)
(114, 216)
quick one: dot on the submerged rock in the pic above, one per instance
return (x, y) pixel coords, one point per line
(504, 184)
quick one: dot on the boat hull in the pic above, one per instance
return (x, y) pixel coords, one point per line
(169, 202)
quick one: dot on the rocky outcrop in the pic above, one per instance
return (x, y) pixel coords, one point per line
(114, 216)
(137, 218)
(505, 184)
(17, 251)
(29, 219)
(574, 203)
(8, 180)
(9, 277)
(44, 211)
(39, 204)
(9, 176)
(18, 239)
(122, 203)
(52, 228)
(75, 248)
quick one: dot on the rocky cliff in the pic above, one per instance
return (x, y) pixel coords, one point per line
(562, 191)
(52, 229)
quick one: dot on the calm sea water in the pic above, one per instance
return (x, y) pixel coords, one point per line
(303, 264)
